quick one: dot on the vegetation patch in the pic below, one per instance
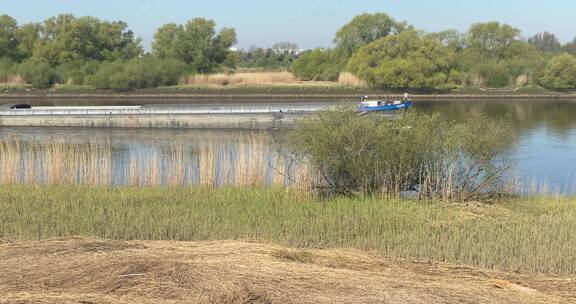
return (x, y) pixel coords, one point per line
(534, 234)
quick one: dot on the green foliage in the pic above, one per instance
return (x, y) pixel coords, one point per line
(364, 29)
(518, 59)
(403, 61)
(8, 42)
(570, 47)
(560, 73)
(452, 39)
(76, 73)
(7, 67)
(139, 73)
(27, 35)
(491, 38)
(38, 73)
(318, 64)
(66, 38)
(545, 42)
(414, 151)
(196, 44)
(495, 74)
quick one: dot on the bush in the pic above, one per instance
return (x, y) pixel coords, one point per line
(110, 76)
(7, 67)
(560, 73)
(403, 61)
(435, 157)
(76, 73)
(147, 72)
(317, 64)
(38, 73)
(495, 75)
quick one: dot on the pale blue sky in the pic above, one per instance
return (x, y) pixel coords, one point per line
(310, 23)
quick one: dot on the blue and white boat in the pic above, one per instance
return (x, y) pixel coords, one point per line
(385, 105)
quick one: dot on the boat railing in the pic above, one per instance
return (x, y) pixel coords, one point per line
(54, 111)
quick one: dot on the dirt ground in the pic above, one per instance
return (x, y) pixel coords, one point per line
(88, 270)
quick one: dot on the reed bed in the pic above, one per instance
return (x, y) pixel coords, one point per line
(12, 79)
(240, 79)
(251, 160)
(534, 235)
(348, 79)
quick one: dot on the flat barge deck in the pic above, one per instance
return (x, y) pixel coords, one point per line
(193, 117)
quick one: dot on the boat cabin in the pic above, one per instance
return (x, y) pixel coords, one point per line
(15, 106)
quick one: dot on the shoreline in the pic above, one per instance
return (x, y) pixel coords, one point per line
(277, 93)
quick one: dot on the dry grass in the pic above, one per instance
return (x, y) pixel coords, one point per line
(531, 235)
(242, 79)
(80, 270)
(251, 79)
(348, 79)
(12, 79)
(251, 160)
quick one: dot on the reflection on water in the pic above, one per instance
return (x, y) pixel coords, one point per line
(203, 158)
(545, 151)
(545, 154)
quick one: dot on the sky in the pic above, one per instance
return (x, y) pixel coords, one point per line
(309, 23)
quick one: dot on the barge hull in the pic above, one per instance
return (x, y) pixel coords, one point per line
(243, 121)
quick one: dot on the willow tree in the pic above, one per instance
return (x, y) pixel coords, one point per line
(195, 43)
(364, 29)
(403, 61)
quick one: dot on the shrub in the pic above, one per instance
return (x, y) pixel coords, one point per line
(435, 157)
(147, 72)
(110, 76)
(6, 67)
(317, 64)
(560, 73)
(495, 75)
(38, 73)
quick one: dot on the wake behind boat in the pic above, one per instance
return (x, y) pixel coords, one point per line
(381, 105)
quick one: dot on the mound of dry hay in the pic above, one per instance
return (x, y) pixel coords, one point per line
(84, 270)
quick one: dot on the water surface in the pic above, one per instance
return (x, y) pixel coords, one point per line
(544, 152)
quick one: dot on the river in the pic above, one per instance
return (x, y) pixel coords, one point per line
(544, 152)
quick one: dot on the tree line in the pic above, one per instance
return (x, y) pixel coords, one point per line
(389, 54)
(382, 51)
(106, 54)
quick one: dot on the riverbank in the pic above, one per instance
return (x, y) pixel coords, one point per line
(532, 235)
(267, 93)
(92, 270)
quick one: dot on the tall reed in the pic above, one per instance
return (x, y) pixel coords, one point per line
(348, 79)
(241, 79)
(250, 160)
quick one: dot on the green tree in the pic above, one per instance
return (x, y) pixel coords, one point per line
(27, 35)
(66, 38)
(491, 38)
(364, 29)
(450, 38)
(560, 73)
(545, 42)
(403, 61)
(8, 42)
(195, 43)
(318, 64)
